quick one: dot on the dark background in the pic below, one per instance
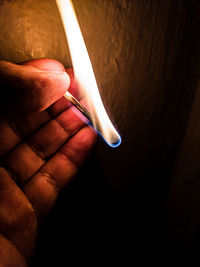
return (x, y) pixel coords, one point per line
(139, 203)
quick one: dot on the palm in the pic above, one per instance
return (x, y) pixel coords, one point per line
(40, 152)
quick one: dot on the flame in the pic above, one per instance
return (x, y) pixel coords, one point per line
(84, 74)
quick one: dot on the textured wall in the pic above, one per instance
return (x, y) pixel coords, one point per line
(31, 29)
(145, 55)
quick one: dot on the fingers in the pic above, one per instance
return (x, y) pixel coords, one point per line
(7, 248)
(43, 188)
(25, 161)
(27, 158)
(15, 127)
(8, 138)
(18, 221)
(29, 88)
(34, 86)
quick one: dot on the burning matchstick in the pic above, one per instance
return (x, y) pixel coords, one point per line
(78, 105)
(85, 78)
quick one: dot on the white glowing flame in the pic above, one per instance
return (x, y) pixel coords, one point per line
(84, 74)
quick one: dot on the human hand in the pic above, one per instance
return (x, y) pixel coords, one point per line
(42, 144)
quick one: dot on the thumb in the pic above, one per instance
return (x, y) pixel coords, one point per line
(31, 88)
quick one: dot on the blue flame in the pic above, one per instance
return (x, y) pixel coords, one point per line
(113, 144)
(116, 144)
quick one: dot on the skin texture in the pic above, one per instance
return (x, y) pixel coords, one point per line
(43, 142)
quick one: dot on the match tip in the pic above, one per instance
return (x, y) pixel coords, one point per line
(116, 142)
(113, 141)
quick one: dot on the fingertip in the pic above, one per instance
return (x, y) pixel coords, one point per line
(61, 83)
(61, 80)
(74, 87)
(87, 138)
(52, 85)
(80, 145)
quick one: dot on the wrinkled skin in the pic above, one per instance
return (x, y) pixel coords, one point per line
(43, 142)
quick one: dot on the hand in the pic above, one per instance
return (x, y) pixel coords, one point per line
(42, 144)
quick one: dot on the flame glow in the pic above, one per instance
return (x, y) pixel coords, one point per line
(84, 75)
